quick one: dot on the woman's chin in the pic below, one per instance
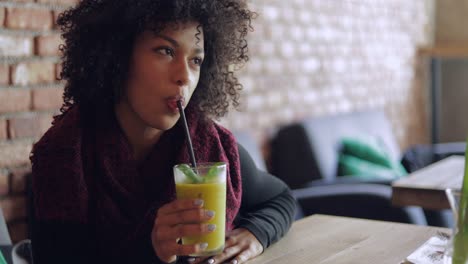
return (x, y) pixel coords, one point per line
(164, 124)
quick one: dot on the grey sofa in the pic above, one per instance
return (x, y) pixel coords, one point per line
(341, 199)
(305, 154)
(4, 234)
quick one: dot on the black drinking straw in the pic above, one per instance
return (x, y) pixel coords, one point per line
(187, 134)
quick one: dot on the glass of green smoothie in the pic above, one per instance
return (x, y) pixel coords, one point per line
(456, 248)
(207, 181)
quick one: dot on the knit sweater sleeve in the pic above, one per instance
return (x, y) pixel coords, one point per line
(267, 208)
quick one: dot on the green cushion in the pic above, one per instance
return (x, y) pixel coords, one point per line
(367, 156)
(351, 166)
(2, 259)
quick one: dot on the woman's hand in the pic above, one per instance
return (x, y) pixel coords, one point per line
(241, 245)
(177, 219)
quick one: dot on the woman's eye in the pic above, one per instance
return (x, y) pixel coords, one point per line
(198, 61)
(165, 51)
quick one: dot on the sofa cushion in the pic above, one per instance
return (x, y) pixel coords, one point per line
(368, 158)
(367, 148)
(351, 166)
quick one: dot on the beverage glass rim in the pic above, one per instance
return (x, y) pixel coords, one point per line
(202, 165)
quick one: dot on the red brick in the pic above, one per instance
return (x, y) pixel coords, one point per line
(25, 126)
(28, 18)
(14, 153)
(3, 129)
(2, 16)
(4, 74)
(58, 70)
(47, 98)
(14, 208)
(60, 2)
(4, 183)
(48, 45)
(14, 100)
(18, 231)
(55, 15)
(16, 46)
(18, 179)
(33, 73)
(45, 121)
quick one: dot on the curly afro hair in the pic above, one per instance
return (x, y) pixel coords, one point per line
(99, 36)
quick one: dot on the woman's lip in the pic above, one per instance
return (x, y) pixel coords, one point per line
(172, 103)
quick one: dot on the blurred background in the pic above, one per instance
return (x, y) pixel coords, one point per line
(308, 58)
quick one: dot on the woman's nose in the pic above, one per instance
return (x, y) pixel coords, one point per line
(181, 73)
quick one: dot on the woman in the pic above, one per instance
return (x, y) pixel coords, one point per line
(102, 174)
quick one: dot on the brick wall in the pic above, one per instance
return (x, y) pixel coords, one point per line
(319, 57)
(29, 95)
(308, 58)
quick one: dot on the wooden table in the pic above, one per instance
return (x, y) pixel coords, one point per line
(426, 187)
(326, 239)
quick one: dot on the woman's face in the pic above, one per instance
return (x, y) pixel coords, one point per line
(164, 68)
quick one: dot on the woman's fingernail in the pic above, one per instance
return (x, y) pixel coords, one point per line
(210, 261)
(203, 245)
(198, 202)
(191, 259)
(211, 227)
(210, 213)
